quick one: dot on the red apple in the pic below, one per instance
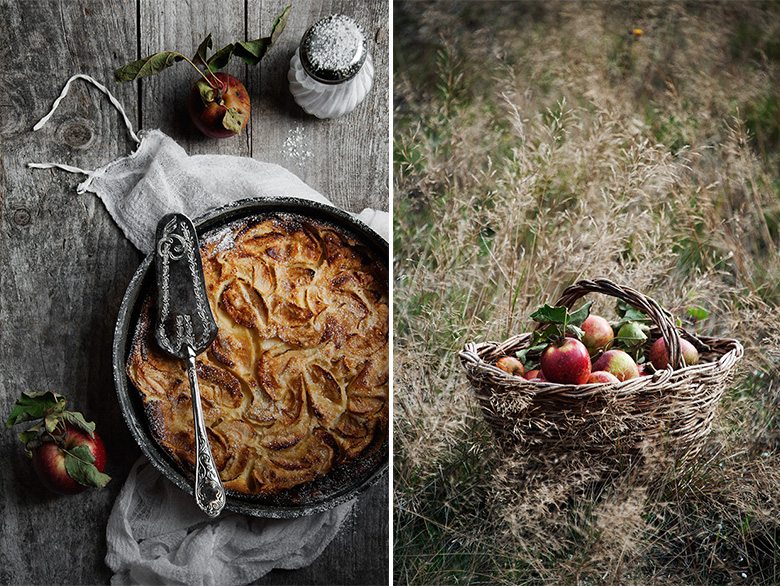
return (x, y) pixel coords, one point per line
(219, 107)
(618, 363)
(566, 362)
(659, 357)
(598, 334)
(49, 458)
(511, 365)
(534, 374)
(643, 370)
(602, 376)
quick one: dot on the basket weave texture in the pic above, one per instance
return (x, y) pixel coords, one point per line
(613, 424)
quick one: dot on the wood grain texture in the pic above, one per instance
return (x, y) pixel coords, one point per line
(339, 158)
(64, 265)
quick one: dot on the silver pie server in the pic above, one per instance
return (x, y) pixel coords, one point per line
(185, 328)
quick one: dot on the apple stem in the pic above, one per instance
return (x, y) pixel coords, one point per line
(203, 75)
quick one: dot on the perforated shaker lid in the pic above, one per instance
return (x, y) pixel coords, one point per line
(333, 49)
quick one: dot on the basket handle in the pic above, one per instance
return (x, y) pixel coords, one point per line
(638, 301)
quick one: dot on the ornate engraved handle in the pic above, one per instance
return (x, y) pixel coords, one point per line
(185, 328)
(209, 492)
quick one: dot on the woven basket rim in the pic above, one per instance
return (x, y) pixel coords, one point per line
(473, 362)
(473, 354)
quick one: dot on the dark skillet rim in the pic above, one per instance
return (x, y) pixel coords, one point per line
(314, 497)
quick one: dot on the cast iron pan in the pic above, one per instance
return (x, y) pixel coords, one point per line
(338, 486)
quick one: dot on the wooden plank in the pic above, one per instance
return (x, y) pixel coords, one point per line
(181, 26)
(64, 266)
(345, 159)
(358, 555)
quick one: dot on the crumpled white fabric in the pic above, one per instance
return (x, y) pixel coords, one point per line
(160, 178)
(156, 534)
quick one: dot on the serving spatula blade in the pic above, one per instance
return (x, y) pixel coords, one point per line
(185, 328)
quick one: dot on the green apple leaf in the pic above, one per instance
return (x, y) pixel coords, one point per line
(280, 23)
(77, 420)
(79, 464)
(35, 405)
(522, 355)
(547, 314)
(31, 438)
(151, 65)
(200, 54)
(253, 51)
(221, 58)
(577, 318)
(207, 92)
(628, 313)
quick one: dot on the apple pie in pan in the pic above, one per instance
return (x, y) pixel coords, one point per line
(296, 383)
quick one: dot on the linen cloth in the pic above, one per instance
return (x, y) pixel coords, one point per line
(156, 534)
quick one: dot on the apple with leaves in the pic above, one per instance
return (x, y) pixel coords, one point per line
(54, 461)
(67, 454)
(218, 103)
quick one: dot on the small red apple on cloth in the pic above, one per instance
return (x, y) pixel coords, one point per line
(67, 453)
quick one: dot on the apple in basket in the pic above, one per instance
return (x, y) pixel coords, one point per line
(597, 334)
(511, 365)
(566, 361)
(659, 357)
(618, 363)
(602, 376)
(534, 374)
(67, 453)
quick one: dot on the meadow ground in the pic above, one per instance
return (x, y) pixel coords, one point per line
(538, 143)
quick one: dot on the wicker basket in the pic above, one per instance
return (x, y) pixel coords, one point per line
(613, 424)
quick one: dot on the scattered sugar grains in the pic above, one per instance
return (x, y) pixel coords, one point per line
(224, 239)
(295, 145)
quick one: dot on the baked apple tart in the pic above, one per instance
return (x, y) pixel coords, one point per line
(296, 383)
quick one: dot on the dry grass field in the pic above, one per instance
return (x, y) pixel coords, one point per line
(539, 143)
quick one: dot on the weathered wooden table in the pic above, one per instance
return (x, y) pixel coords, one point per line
(64, 264)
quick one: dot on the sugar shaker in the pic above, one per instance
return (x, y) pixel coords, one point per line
(332, 70)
